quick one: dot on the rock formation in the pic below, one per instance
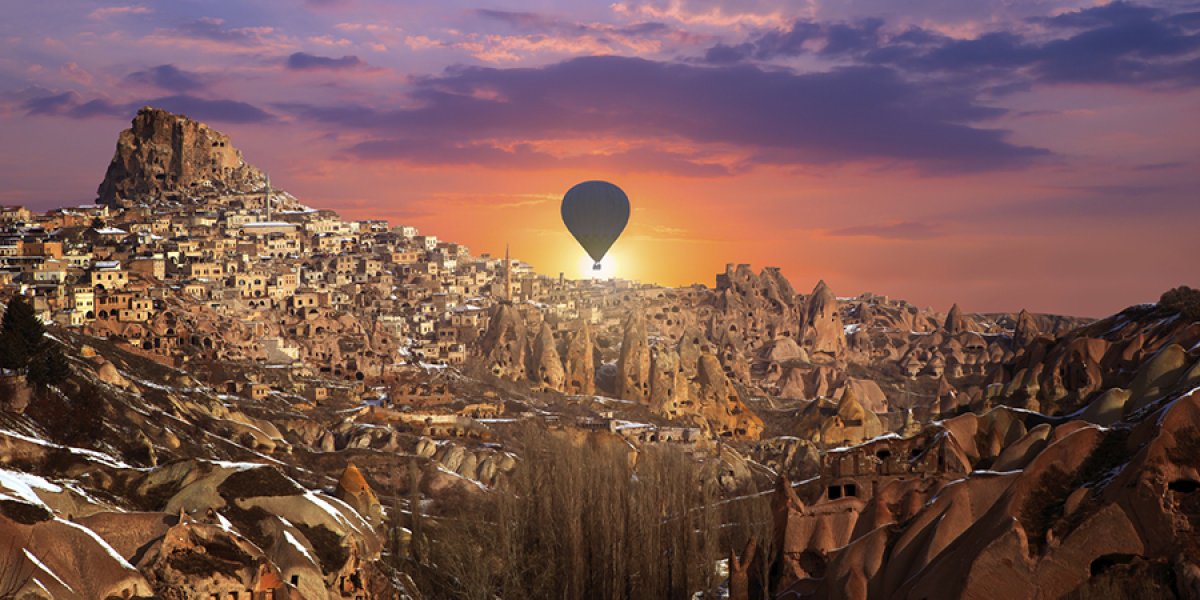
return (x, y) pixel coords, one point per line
(668, 384)
(580, 363)
(168, 157)
(1026, 329)
(955, 323)
(720, 403)
(504, 343)
(823, 335)
(633, 366)
(851, 424)
(354, 490)
(546, 369)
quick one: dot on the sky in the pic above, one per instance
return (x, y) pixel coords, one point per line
(998, 154)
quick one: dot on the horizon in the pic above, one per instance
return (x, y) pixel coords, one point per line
(998, 157)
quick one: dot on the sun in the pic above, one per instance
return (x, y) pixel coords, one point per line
(608, 267)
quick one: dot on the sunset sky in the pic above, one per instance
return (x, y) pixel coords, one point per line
(1000, 154)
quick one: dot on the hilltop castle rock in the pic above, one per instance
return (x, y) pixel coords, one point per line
(171, 158)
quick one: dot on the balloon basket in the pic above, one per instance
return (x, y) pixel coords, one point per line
(596, 267)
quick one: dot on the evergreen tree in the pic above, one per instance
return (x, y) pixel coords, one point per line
(25, 348)
(20, 333)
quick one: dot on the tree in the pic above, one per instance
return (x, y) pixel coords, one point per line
(25, 348)
(21, 333)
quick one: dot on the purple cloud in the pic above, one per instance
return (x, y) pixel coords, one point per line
(1117, 43)
(302, 61)
(167, 77)
(781, 117)
(431, 152)
(70, 104)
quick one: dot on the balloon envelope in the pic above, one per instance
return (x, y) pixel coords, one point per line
(595, 212)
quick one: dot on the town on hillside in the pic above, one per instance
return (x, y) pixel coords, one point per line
(210, 390)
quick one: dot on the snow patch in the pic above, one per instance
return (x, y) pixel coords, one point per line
(24, 484)
(287, 535)
(47, 570)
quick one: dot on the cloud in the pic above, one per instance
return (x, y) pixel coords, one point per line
(513, 36)
(167, 77)
(431, 152)
(1117, 43)
(210, 34)
(105, 12)
(779, 117)
(905, 230)
(716, 13)
(1160, 166)
(71, 104)
(302, 61)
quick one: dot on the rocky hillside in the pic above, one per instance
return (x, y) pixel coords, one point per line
(165, 157)
(1007, 502)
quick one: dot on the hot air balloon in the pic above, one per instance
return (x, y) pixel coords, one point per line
(595, 212)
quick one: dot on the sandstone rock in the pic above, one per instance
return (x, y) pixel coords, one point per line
(851, 424)
(504, 343)
(786, 349)
(691, 345)
(720, 403)
(633, 366)
(546, 368)
(1026, 329)
(580, 364)
(108, 373)
(955, 323)
(48, 557)
(668, 385)
(164, 156)
(1107, 408)
(1156, 376)
(823, 335)
(868, 393)
(354, 490)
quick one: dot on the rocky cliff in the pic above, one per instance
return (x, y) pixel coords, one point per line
(166, 157)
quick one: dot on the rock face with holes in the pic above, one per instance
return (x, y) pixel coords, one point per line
(668, 384)
(1005, 504)
(720, 403)
(580, 362)
(169, 157)
(504, 343)
(633, 367)
(546, 368)
(822, 333)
